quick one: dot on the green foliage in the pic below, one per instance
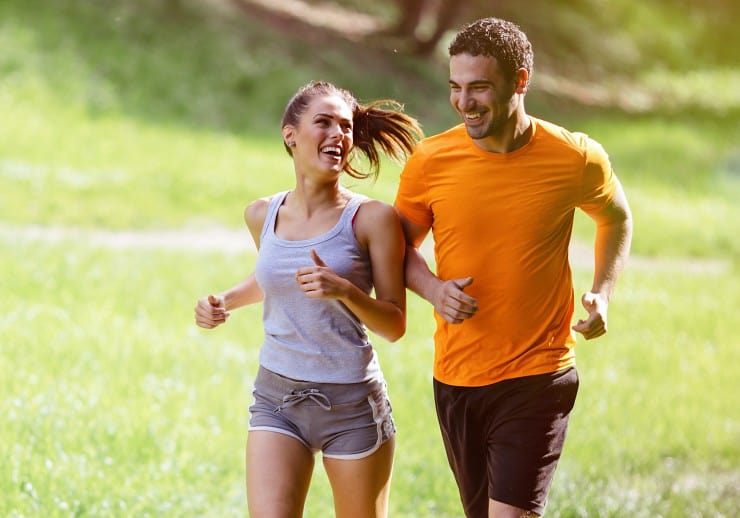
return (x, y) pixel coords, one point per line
(141, 116)
(196, 66)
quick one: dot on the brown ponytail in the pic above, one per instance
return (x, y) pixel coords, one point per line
(382, 126)
(378, 127)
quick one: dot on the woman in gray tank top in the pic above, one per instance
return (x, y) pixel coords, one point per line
(330, 266)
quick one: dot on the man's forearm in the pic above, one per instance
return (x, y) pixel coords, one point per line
(611, 252)
(419, 278)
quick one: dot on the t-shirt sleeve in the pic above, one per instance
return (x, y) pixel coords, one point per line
(599, 181)
(411, 197)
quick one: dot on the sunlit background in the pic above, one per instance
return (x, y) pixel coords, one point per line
(134, 132)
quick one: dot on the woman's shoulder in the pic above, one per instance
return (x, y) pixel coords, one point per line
(375, 217)
(256, 212)
(256, 209)
(374, 208)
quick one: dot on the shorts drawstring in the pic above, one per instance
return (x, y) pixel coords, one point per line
(296, 396)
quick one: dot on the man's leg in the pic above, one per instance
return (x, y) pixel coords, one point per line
(463, 435)
(503, 441)
(527, 439)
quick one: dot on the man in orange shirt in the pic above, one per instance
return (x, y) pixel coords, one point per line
(499, 192)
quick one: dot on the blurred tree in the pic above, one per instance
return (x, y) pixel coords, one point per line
(409, 18)
(413, 14)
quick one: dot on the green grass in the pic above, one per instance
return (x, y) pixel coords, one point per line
(116, 403)
(118, 117)
(657, 420)
(683, 185)
(682, 178)
(173, 174)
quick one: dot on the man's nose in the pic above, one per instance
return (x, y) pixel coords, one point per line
(465, 101)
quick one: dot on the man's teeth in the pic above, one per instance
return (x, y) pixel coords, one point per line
(472, 115)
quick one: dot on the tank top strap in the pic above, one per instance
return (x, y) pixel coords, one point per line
(350, 211)
(268, 226)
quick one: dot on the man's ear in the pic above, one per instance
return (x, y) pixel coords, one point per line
(521, 80)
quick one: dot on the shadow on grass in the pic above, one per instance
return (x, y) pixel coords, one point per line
(197, 64)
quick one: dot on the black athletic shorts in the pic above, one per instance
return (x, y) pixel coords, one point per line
(504, 440)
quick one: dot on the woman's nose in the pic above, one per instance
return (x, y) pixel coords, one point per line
(336, 132)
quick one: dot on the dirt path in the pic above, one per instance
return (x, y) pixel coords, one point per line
(213, 239)
(224, 240)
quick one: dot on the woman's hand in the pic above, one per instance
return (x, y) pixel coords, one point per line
(320, 281)
(211, 312)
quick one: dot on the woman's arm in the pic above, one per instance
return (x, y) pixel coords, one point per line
(213, 310)
(378, 228)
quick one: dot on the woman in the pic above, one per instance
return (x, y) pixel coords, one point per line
(322, 251)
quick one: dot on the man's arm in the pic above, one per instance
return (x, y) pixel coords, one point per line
(447, 297)
(611, 249)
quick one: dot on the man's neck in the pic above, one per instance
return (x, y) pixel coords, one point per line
(515, 135)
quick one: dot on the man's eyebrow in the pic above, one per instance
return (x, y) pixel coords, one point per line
(477, 82)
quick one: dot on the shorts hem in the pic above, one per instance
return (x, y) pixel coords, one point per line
(530, 506)
(280, 431)
(357, 456)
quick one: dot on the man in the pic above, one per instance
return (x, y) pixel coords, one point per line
(499, 192)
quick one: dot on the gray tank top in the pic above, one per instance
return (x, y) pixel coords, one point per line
(317, 340)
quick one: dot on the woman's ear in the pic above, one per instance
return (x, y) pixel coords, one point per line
(289, 135)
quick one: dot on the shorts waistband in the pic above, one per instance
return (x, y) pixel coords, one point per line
(336, 393)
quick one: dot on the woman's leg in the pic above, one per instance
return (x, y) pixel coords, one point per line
(361, 486)
(279, 469)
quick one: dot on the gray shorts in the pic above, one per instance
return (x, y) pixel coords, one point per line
(342, 420)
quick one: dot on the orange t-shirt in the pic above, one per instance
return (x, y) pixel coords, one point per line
(505, 219)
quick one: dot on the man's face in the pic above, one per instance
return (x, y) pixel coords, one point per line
(482, 95)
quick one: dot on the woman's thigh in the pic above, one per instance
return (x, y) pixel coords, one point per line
(279, 469)
(361, 486)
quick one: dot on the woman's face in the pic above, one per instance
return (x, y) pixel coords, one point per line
(323, 137)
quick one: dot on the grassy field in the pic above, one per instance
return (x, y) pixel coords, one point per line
(115, 404)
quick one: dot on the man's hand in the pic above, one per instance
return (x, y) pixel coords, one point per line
(452, 303)
(595, 324)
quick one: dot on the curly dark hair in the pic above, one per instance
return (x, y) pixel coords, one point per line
(378, 127)
(496, 38)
